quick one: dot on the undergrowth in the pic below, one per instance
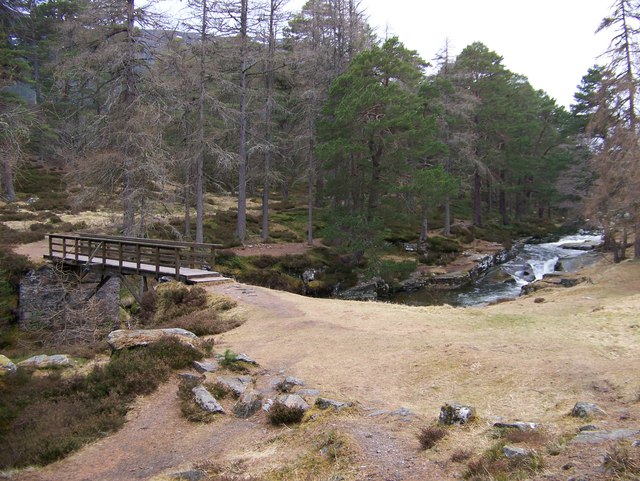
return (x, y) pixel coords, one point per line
(493, 465)
(326, 455)
(430, 435)
(43, 418)
(280, 414)
(190, 308)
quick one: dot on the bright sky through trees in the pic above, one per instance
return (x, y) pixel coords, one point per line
(552, 42)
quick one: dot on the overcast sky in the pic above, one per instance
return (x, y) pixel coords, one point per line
(552, 42)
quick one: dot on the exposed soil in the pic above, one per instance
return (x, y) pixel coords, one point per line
(277, 250)
(522, 360)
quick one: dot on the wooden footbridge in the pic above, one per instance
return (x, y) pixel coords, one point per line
(187, 262)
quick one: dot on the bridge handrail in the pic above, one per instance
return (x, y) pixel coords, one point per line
(142, 240)
(170, 254)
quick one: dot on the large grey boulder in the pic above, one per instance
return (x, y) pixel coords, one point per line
(47, 362)
(124, 338)
(7, 367)
(248, 404)
(236, 384)
(453, 413)
(206, 401)
(585, 410)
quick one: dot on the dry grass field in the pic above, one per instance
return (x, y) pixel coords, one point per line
(521, 360)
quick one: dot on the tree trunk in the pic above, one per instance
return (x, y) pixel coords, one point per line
(424, 228)
(374, 186)
(477, 199)
(502, 200)
(187, 201)
(129, 188)
(267, 118)
(241, 230)
(447, 216)
(129, 209)
(199, 185)
(623, 243)
(8, 190)
(636, 240)
(310, 180)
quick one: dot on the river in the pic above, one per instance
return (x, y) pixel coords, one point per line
(531, 262)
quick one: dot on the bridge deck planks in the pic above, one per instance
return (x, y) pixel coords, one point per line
(186, 274)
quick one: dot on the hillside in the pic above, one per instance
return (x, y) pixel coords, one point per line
(524, 360)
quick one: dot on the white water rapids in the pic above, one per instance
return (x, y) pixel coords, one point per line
(531, 262)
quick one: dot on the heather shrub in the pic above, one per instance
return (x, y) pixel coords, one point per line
(281, 414)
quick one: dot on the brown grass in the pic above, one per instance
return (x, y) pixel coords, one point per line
(430, 435)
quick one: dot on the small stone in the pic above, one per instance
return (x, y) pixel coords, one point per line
(245, 358)
(190, 377)
(454, 413)
(236, 384)
(206, 401)
(7, 367)
(515, 452)
(266, 406)
(205, 366)
(520, 426)
(293, 401)
(584, 410)
(308, 392)
(288, 383)
(403, 412)
(601, 436)
(378, 412)
(568, 466)
(249, 403)
(44, 362)
(324, 403)
(588, 427)
(636, 444)
(539, 300)
(193, 475)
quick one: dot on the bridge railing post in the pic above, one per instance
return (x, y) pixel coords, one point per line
(177, 262)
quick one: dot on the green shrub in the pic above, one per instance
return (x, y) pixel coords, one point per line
(229, 360)
(393, 272)
(280, 414)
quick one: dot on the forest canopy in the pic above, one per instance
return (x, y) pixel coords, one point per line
(249, 99)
